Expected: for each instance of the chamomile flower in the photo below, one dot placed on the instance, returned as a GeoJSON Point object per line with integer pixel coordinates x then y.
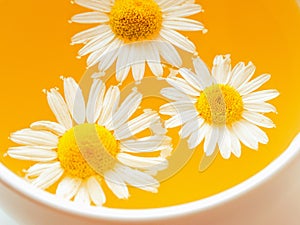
{"type": "Point", "coordinates": [135, 32]}
{"type": "Point", "coordinates": [223, 109]}
{"type": "Point", "coordinates": [92, 145]}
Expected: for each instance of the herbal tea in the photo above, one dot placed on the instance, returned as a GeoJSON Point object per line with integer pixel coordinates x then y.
{"type": "Point", "coordinates": [265, 33]}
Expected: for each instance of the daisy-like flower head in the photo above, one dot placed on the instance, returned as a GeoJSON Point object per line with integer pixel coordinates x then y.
{"type": "Point", "coordinates": [91, 143]}
{"type": "Point", "coordinates": [222, 108]}
{"type": "Point", "coordinates": [133, 32]}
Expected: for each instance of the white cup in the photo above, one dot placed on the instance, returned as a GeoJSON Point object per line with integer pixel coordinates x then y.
{"type": "Point", "coordinates": [271, 197]}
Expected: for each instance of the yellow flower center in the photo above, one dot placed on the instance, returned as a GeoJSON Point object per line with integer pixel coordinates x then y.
{"type": "Point", "coordinates": [86, 150]}
{"type": "Point", "coordinates": [135, 20]}
{"type": "Point", "coordinates": [220, 104]}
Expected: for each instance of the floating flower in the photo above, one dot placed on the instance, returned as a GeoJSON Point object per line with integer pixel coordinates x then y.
{"type": "Point", "coordinates": [223, 109]}
{"type": "Point", "coordinates": [133, 32]}
{"type": "Point", "coordinates": [91, 143]}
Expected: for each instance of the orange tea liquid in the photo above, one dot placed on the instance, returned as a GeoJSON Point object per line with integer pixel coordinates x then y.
{"type": "Point", "coordinates": [35, 51]}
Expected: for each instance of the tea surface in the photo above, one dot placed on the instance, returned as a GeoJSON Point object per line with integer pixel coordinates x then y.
{"type": "Point", "coordinates": [35, 52]}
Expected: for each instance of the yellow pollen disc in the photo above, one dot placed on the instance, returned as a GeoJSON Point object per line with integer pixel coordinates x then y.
{"type": "Point", "coordinates": [86, 150]}
{"type": "Point", "coordinates": [135, 20]}
{"type": "Point", "coordinates": [220, 104]}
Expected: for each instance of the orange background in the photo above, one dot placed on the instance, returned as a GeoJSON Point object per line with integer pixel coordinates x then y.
{"type": "Point", "coordinates": [35, 51]}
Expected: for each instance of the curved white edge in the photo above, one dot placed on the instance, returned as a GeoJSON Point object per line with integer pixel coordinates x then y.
{"type": "Point", "coordinates": [21, 187]}
{"type": "Point", "coordinates": [5, 220]}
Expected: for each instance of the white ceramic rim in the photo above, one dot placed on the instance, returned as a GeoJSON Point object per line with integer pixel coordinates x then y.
{"type": "Point", "coordinates": [21, 187]}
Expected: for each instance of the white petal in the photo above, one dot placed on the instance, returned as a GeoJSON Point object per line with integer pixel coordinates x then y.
{"type": "Point", "coordinates": [197, 136]}
{"type": "Point", "coordinates": [146, 144]}
{"type": "Point", "coordinates": [174, 94]}
{"type": "Point", "coordinates": [138, 55]}
{"type": "Point", "coordinates": [254, 84]}
{"type": "Point", "coordinates": [192, 125]}
{"type": "Point", "coordinates": [98, 43]}
{"type": "Point", "coordinates": [59, 108]}
{"type": "Point", "coordinates": [74, 100]}
{"type": "Point", "coordinates": [236, 70]}
{"type": "Point", "coordinates": [68, 187]}
{"type": "Point", "coordinates": [235, 144]}
{"type": "Point", "coordinates": [95, 101]}
{"type": "Point", "coordinates": [169, 53]}
{"type": "Point", "coordinates": [116, 185]}
{"type": "Point", "coordinates": [98, 75]}
{"type": "Point", "coordinates": [183, 10]}
{"type": "Point", "coordinates": [109, 55]}
{"type": "Point", "coordinates": [224, 142]}
{"type": "Point", "coordinates": [32, 153]}
{"type": "Point", "coordinates": [165, 153]}
{"type": "Point", "coordinates": [221, 69]}
{"type": "Point", "coordinates": [48, 126]}
{"type": "Point", "coordinates": [152, 57]}
{"type": "Point", "coordinates": [95, 58]}
{"type": "Point", "coordinates": [105, 56]}
{"type": "Point", "coordinates": [95, 191]}
{"type": "Point", "coordinates": [258, 119]}
{"type": "Point", "coordinates": [191, 78]}
{"type": "Point", "coordinates": [48, 177]}
{"type": "Point", "coordinates": [157, 128]}
{"type": "Point", "coordinates": [138, 70]}
{"type": "Point", "coordinates": [211, 139]}
{"type": "Point", "coordinates": [123, 63]}
{"type": "Point", "coordinates": [90, 17]}
{"type": "Point", "coordinates": [89, 34]}
{"type": "Point", "coordinates": [243, 76]}
{"type": "Point", "coordinates": [189, 1]}
{"type": "Point", "coordinates": [261, 107]}
{"type": "Point", "coordinates": [137, 124]}
{"type": "Point", "coordinates": [82, 196]}
{"type": "Point", "coordinates": [33, 137]}
{"type": "Point", "coordinates": [202, 72]}
{"type": "Point", "coordinates": [259, 134]}
{"type": "Point", "coordinates": [260, 96]}
{"type": "Point", "coordinates": [165, 4]}
{"type": "Point", "coordinates": [181, 85]}
{"type": "Point", "coordinates": [242, 132]}
{"type": "Point", "coordinates": [178, 40]}
{"type": "Point", "coordinates": [99, 5]}
{"type": "Point", "coordinates": [39, 168]}
{"type": "Point", "coordinates": [145, 163]}
{"type": "Point", "coordinates": [137, 178]}
{"type": "Point", "coordinates": [181, 118]}
{"type": "Point", "coordinates": [126, 110]}
{"type": "Point", "coordinates": [110, 103]}
{"type": "Point", "coordinates": [174, 108]}
{"type": "Point", "coordinates": [183, 24]}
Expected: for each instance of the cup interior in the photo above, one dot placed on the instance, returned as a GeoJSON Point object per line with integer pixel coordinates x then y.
{"type": "Point", "coordinates": [25, 190]}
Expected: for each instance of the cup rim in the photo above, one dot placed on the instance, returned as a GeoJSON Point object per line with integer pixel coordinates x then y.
{"type": "Point", "coordinates": [23, 188]}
